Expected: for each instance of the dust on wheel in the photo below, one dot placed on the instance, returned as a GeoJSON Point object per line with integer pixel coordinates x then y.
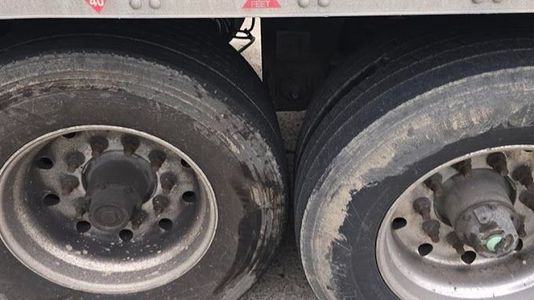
{"type": "Point", "coordinates": [133, 169]}
{"type": "Point", "coordinates": [106, 209]}
{"type": "Point", "coordinates": [420, 187]}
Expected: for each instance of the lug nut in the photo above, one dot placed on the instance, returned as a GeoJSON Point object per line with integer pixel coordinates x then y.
{"type": "Point", "coordinates": [434, 184]}
{"type": "Point", "coordinates": [422, 206]}
{"type": "Point", "coordinates": [519, 223]}
{"type": "Point", "coordinates": [160, 203]}
{"type": "Point", "coordinates": [81, 205]}
{"type": "Point", "coordinates": [68, 184]}
{"type": "Point", "coordinates": [157, 158]}
{"type": "Point", "coordinates": [523, 174]}
{"type": "Point", "coordinates": [527, 198]}
{"type": "Point", "coordinates": [130, 144]}
{"type": "Point", "coordinates": [138, 217]}
{"type": "Point", "coordinates": [464, 167]}
{"type": "Point", "coordinates": [455, 242]}
{"type": "Point", "coordinates": [498, 162]}
{"type": "Point", "coordinates": [98, 145]}
{"type": "Point", "coordinates": [168, 180]}
{"type": "Point", "coordinates": [74, 160]}
{"type": "Point", "coordinates": [431, 228]}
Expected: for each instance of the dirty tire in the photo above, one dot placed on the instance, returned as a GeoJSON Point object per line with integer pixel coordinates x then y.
{"type": "Point", "coordinates": [189, 89]}
{"type": "Point", "coordinates": [427, 105]}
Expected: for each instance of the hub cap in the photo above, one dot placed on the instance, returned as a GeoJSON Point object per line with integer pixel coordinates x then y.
{"type": "Point", "coordinates": [105, 209]}
{"type": "Point", "coordinates": [464, 230]}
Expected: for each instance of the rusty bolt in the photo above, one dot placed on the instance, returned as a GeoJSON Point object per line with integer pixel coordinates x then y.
{"type": "Point", "coordinates": [130, 144]}
{"type": "Point", "coordinates": [422, 206]}
{"type": "Point", "coordinates": [160, 203]}
{"type": "Point", "coordinates": [523, 174]}
{"type": "Point", "coordinates": [168, 180]}
{"type": "Point", "coordinates": [498, 162]}
{"type": "Point", "coordinates": [519, 223]}
{"type": "Point", "coordinates": [81, 205]}
{"type": "Point", "coordinates": [464, 167]}
{"type": "Point", "coordinates": [434, 184]}
{"type": "Point", "coordinates": [157, 158]}
{"type": "Point", "coordinates": [74, 160]}
{"type": "Point", "coordinates": [68, 184]}
{"type": "Point", "coordinates": [431, 228]}
{"type": "Point", "coordinates": [455, 242]}
{"type": "Point", "coordinates": [138, 217]}
{"type": "Point", "coordinates": [98, 145]}
{"type": "Point", "coordinates": [527, 198]}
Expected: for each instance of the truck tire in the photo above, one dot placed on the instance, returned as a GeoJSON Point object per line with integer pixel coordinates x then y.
{"type": "Point", "coordinates": [460, 98]}
{"type": "Point", "coordinates": [134, 166]}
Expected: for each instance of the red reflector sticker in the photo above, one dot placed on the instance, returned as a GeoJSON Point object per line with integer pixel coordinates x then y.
{"type": "Point", "coordinates": [261, 4]}
{"type": "Point", "coordinates": [97, 5]}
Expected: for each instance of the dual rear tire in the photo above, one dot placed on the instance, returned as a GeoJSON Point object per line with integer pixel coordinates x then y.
{"type": "Point", "coordinates": [386, 120]}
{"type": "Point", "coordinates": [187, 94]}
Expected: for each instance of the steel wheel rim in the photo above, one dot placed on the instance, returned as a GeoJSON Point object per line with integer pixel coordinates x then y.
{"type": "Point", "coordinates": [443, 273]}
{"type": "Point", "coordinates": [112, 263]}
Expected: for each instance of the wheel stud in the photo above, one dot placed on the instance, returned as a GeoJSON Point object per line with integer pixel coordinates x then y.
{"type": "Point", "coordinates": [130, 144]}
{"type": "Point", "coordinates": [431, 228]}
{"type": "Point", "coordinates": [157, 158]}
{"type": "Point", "coordinates": [523, 174]}
{"type": "Point", "coordinates": [519, 223]}
{"type": "Point", "coordinates": [168, 180]}
{"type": "Point", "coordinates": [98, 145]}
{"type": "Point", "coordinates": [422, 206]}
{"type": "Point", "coordinates": [160, 203]}
{"type": "Point", "coordinates": [81, 205]}
{"type": "Point", "coordinates": [138, 217]}
{"type": "Point", "coordinates": [527, 198]}
{"type": "Point", "coordinates": [74, 160]}
{"type": "Point", "coordinates": [464, 167]}
{"type": "Point", "coordinates": [434, 184]}
{"type": "Point", "coordinates": [68, 184]}
{"type": "Point", "coordinates": [455, 242]}
{"type": "Point", "coordinates": [498, 162]}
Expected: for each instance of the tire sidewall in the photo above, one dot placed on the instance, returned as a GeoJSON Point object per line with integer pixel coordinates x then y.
{"type": "Point", "coordinates": [345, 210]}
{"type": "Point", "coordinates": [119, 91]}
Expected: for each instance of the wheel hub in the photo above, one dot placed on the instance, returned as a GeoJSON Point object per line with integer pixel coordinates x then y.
{"type": "Point", "coordinates": [117, 184]}
{"type": "Point", "coordinates": [480, 209]}
{"type": "Point", "coordinates": [106, 209]}
{"type": "Point", "coordinates": [460, 230]}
